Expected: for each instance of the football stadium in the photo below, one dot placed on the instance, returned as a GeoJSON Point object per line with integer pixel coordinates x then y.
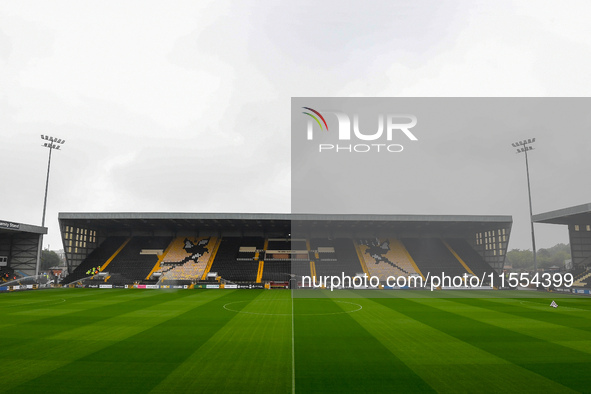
{"type": "Point", "coordinates": [163, 302]}
{"type": "Point", "coordinates": [295, 197]}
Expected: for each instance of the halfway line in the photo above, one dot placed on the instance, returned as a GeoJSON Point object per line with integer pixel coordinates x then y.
{"type": "Point", "coordinates": [292, 349]}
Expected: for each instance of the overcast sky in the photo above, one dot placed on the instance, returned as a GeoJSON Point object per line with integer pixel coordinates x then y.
{"type": "Point", "coordinates": [185, 106]}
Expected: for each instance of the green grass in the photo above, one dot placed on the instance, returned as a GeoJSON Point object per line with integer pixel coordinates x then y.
{"type": "Point", "coordinates": [93, 340]}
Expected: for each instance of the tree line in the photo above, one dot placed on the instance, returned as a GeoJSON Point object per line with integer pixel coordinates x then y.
{"type": "Point", "coordinates": [546, 258]}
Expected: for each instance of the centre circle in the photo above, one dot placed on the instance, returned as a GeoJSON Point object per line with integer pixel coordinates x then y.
{"type": "Point", "coordinates": [230, 306]}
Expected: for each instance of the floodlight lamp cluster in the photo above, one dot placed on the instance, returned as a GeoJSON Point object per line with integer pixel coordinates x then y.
{"type": "Point", "coordinates": [527, 148]}
{"type": "Point", "coordinates": [522, 145]}
{"type": "Point", "coordinates": [52, 143]}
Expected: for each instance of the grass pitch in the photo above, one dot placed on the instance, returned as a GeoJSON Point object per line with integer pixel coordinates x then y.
{"type": "Point", "coordinates": [94, 340]}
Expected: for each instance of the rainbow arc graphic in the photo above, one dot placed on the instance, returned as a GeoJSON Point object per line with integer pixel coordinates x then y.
{"type": "Point", "coordinates": [315, 118]}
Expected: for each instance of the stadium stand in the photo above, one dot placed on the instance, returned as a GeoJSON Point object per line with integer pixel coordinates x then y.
{"type": "Point", "coordinates": [325, 253]}
{"type": "Point", "coordinates": [386, 257]}
{"type": "Point", "coordinates": [279, 244]}
{"type": "Point", "coordinates": [432, 256]}
{"type": "Point", "coordinates": [583, 280]}
{"type": "Point", "coordinates": [279, 271]}
{"type": "Point", "coordinates": [187, 258]}
{"type": "Point", "coordinates": [137, 259]}
{"type": "Point", "coordinates": [469, 256]}
{"type": "Point", "coordinates": [301, 268]}
{"type": "Point", "coordinates": [344, 260]}
{"type": "Point", "coordinates": [250, 248]}
{"type": "Point", "coordinates": [98, 257]}
{"type": "Point", "coordinates": [278, 266]}
{"type": "Point", "coordinates": [226, 262]}
{"type": "Point", "coordinates": [7, 274]}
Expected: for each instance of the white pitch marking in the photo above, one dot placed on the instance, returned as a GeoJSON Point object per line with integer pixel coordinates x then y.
{"type": "Point", "coordinates": [540, 306]}
{"type": "Point", "coordinates": [290, 314]}
{"type": "Point", "coordinates": [292, 349]}
{"type": "Point", "coordinates": [36, 302]}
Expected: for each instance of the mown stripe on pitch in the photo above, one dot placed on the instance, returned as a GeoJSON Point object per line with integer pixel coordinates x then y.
{"type": "Point", "coordinates": [140, 362]}
{"type": "Point", "coordinates": [58, 357]}
{"type": "Point", "coordinates": [250, 353]}
{"type": "Point", "coordinates": [334, 353]}
{"type": "Point", "coordinates": [569, 367]}
{"type": "Point", "coordinates": [573, 324]}
{"type": "Point", "coordinates": [33, 352]}
{"type": "Point", "coordinates": [76, 301]}
{"type": "Point", "coordinates": [581, 304]}
{"type": "Point", "coordinates": [525, 323]}
{"type": "Point", "coordinates": [446, 363]}
{"type": "Point", "coordinates": [31, 335]}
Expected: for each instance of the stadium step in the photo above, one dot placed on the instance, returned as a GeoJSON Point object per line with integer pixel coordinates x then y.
{"type": "Point", "coordinates": [580, 282]}
{"type": "Point", "coordinates": [400, 244]}
{"type": "Point", "coordinates": [361, 259]}
{"type": "Point", "coordinates": [211, 258]}
{"type": "Point", "coordinates": [313, 269]}
{"type": "Point", "coordinates": [468, 270]}
{"type": "Point", "coordinates": [385, 258]}
{"type": "Point", "coordinates": [115, 254]}
{"type": "Point", "coordinates": [260, 272]}
{"type": "Point", "coordinates": [160, 259]}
